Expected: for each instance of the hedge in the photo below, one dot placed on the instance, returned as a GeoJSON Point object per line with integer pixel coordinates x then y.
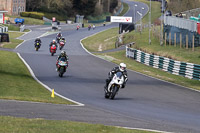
{"type": "Point", "coordinates": [36, 15]}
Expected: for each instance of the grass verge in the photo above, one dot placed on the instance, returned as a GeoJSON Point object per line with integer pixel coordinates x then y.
{"type": "Point", "coordinates": [22, 125]}
{"type": "Point", "coordinates": [103, 41]}
{"type": "Point", "coordinates": [13, 41]}
{"type": "Point", "coordinates": [17, 83]}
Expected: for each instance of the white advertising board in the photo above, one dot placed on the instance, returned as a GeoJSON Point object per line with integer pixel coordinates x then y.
{"type": "Point", "coordinates": [121, 19]}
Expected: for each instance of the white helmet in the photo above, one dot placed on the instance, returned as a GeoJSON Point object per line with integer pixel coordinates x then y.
{"type": "Point", "coordinates": [122, 67]}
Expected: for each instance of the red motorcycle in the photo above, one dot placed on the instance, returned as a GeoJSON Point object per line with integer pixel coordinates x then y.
{"type": "Point", "coordinates": [61, 44]}
{"type": "Point", "coordinates": [53, 49]}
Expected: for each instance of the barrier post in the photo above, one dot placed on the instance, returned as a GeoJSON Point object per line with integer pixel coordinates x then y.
{"type": "Point", "coordinates": [180, 40]}
{"type": "Point", "coordinates": [174, 39]}
{"type": "Point", "coordinates": [170, 39]}
{"type": "Point", "coordinates": [193, 43]}
{"type": "Point", "coordinates": [165, 39]}
{"type": "Point", "coordinates": [186, 41]}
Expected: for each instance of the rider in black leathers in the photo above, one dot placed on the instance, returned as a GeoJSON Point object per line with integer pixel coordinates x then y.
{"type": "Point", "coordinates": [120, 68]}
{"type": "Point", "coordinates": [58, 37]}
{"type": "Point", "coordinates": [38, 40]}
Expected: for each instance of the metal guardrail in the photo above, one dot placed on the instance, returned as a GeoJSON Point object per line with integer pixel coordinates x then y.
{"type": "Point", "coordinates": [189, 70]}
{"type": "Point", "coordinates": [181, 23]}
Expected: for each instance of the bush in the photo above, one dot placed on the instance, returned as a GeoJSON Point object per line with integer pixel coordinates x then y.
{"type": "Point", "coordinates": [58, 16]}
{"type": "Point", "coordinates": [36, 15]}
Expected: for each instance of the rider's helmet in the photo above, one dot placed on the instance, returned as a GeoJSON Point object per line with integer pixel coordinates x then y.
{"type": "Point", "coordinates": [54, 41]}
{"type": "Point", "coordinates": [63, 53]}
{"type": "Point", "coordinates": [59, 34]}
{"type": "Point", "coordinates": [122, 67]}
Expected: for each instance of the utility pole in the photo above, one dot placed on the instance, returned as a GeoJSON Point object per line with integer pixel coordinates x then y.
{"type": "Point", "coordinates": [161, 22]}
{"type": "Point", "coordinates": [135, 5]}
{"type": "Point", "coordinates": [150, 23]}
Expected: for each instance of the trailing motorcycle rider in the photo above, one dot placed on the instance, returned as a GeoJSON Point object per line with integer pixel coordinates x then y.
{"type": "Point", "coordinates": [53, 43]}
{"type": "Point", "coordinates": [120, 68]}
{"type": "Point", "coordinates": [62, 54]}
{"type": "Point", "coordinates": [63, 39]}
{"type": "Point", "coordinates": [58, 37]}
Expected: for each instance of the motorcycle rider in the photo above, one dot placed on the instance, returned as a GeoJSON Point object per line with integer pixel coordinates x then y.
{"type": "Point", "coordinates": [89, 27]}
{"type": "Point", "coordinates": [77, 27]}
{"type": "Point", "coordinates": [62, 54]}
{"type": "Point", "coordinates": [93, 26]}
{"type": "Point", "coordinates": [53, 43]}
{"type": "Point", "coordinates": [63, 39]}
{"type": "Point", "coordinates": [37, 40]}
{"type": "Point", "coordinates": [58, 37]}
{"type": "Point", "coordinates": [120, 68]}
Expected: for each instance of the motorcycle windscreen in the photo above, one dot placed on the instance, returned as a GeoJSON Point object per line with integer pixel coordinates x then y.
{"type": "Point", "coordinates": [119, 74]}
{"type": "Point", "coordinates": [62, 59]}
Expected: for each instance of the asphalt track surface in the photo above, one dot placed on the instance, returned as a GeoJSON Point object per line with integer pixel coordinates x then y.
{"type": "Point", "coordinates": [146, 102]}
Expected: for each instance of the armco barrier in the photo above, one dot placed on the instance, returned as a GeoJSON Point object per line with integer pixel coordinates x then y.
{"type": "Point", "coordinates": [189, 70]}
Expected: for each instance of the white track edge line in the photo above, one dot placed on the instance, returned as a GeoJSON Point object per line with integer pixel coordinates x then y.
{"type": "Point", "coordinates": [48, 88]}
{"type": "Point", "coordinates": [143, 129]}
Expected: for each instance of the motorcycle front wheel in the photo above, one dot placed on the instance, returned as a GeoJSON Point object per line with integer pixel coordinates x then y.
{"type": "Point", "coordinates": [114, 92]}
{"type": "Point", "coordinates": [61, 71]}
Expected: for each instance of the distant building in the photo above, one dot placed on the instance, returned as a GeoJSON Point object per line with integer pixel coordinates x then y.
{"type": "Point", "coordinates": [14, 7]}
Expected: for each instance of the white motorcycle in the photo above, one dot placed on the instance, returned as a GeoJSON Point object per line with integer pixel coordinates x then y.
{"type": "Point", "coordinates": [114, 85]}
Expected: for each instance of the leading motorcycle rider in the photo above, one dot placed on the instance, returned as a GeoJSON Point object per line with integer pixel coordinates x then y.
{"type": "Point", "coordinates": [62, 54]}
{"type": "Point", "coordinates": [120, 68]}
{"type": "Point", "coordinates": [38, 40]}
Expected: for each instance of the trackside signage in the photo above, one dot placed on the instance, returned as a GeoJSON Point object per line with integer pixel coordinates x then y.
{"type": "Point", "coordinates": [121, 19]}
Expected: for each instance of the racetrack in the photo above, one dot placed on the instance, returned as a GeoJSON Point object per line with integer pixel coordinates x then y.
{"type": "Point", "coordinates": [145, 102]}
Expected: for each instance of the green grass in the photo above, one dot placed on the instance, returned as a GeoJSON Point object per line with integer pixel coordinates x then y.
{"type": "Point", "coordinates": [125, 9]}
{"type": "Point", "coordinates": [103, 41]}
{"type": "Point", "coordinates": [12, 27]}
{"type": "Point", "coordinates": [13, 41]}
{"type": "Point", "coordinates": [17, 83]}
{"type": "Point", "coordinates": [32, 21]}
{"type": "Point", "coordinates": [22, 125]}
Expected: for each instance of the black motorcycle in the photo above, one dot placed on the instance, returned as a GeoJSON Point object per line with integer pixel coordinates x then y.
{"type": "Point", "coordinates": [37, 45]}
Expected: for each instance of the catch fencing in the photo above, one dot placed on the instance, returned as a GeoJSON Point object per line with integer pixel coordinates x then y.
{"type": "Point", "coordinates": [189, 70]}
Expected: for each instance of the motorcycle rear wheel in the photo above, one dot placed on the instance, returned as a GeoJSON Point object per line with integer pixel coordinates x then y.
{"type": "Point", "coordinates": [36, 49]}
